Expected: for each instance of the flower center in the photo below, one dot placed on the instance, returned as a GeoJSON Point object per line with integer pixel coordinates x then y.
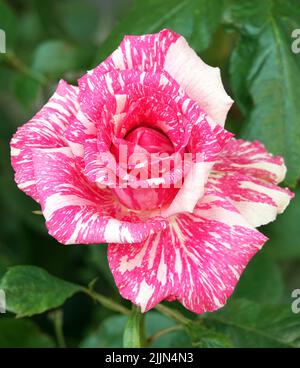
{"type": "Point", "coordinates": [153, 140]}
{"type": "Point", "coordinates": [144, 145]}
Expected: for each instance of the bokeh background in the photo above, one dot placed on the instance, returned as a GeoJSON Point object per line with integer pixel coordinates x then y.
{"type": "Point", "coordinates": [251, 42]}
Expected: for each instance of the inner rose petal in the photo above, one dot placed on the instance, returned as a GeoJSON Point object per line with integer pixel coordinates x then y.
{"type": "Point", "coordinates": [147, 111]}
{"type": "Point", "coordinates": [143, 148]}
{"type": "Point", "coordinates": [150, 139]}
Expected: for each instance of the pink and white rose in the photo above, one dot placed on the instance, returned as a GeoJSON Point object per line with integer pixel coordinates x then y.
{"type": "Point", "coordinates": [183, 231]}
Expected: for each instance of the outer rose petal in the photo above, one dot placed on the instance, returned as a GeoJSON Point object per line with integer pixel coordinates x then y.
{"type": "Point", "coordinates": [198, 259]}
{"type": "Point", "coordinates": [252, 159]}
{"type": "Point", "coordinates": [169, 51]}
{"type": "Point", "coordinates": [78, 131]}
{"type": "Point", "coordinates": [258, 201]}
{"type": "Point", "coordinates": [208, 143]}
{"type": "Point", "coordinates": [44, 130]}
{"type": "Point", "coordinates": [121, 100]}
{"type": "Point", "coordinates": [78, 212]}
{"type": "Point", "coordinates": [191, 191]}
{"type": "Point", "coordinates": [201, 82]}
{"type": "Point", "coordinates": [247, 174]}
{"type": "Point", "coordinates": [145, 52]}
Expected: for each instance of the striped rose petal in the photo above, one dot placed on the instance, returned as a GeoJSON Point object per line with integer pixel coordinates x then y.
{"type": "Point", "coordinates": [252, 159]}
{"type": "Point", "coordinates": [77, 212]}
{"type": "Point", "coordinates": [197, 260]}
{"type": "Point", "coordinates": [206, 144]}
{"type": "Point", "coordinates": [147, 52]}
{"type": "Point", "coordinates": [45, 130]}
{"type": "Point", "coordinates": [169, 51]}
{"type": "Point", "coordinates": [201, 82]}
{"type": "Point", "coordinates": [158, 101]}
{"type": "Point", "coordinates": [120, 100]}
{"type": "Point", "coordinates": [78, 131]}
{"type": "Point", "coordinates": [247, 174]}
{"type": "Point", "coordinates": [259, 202]}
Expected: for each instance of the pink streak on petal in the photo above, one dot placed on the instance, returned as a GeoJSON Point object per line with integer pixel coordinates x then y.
{"type": "Point", "coordinates": [77, 212]}
{"type": "Point", "coordinates": [258, 201]}
{"type": "Point", "coordinates": [152, 140]}
{"type": "Point", "coordinates": [45, 130]}
{"type": "Point", "coordinates": [156, 100]}
{"type": "Point", "coordinates": [252, 159]}
{"type": "Point", "coordinates": [152, 99]}
{"type": "Point", "coordinates": [197, 260]}
{"type": "Point", "coordinates": [145, 52]}
{"type": "Point", "coordinates": [247, 175]}
{"type": "Point", "coordinates": [169, 51]}
{"type": "Point", "coordinates": [200, 81]}
{"type": "Point", "coordinates": [78, 131]}
{"type": "Point", "coordinates": [206, 144]}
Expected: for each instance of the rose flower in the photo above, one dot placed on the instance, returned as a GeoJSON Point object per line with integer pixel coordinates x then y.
{"type": "Point", "coordinates": [136, 156]}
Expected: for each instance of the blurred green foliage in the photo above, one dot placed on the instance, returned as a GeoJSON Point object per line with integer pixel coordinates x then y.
{"type": "Point", "coordinates": [53, 39]}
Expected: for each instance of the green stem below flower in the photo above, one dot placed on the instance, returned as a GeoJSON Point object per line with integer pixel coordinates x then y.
{"type": "Point", "coordinates": [174, 314]}
{"type": "Point", "coordinates": [163, 332]}
{"type": "Point", "coordinates": [134, 333]}
{"type": "Point", "coordinates": [107, 302]}
{"type": "Point", "coordinates": [57, 317]}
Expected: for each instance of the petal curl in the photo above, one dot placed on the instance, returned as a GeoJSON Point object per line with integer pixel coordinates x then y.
{"type": "Point", "coordinates": [197, 260]}
{"type": "Point", "coordinates": [248, 175]}
{"type": "Point", "coordinates": [201, 82]}
{"type": "Point", "coordinates": [169, 51]}
{"type": "Point", "coordinates": [252, 159]}
{"type": "Point", "coordinates": [45, 130]}
{"type": "Point", "coordinates": [78, 212]}
{"type": "Point", "coordinates": [206, 144]}
{"type": "Point", "coordinates": [144, 53]}
{"type": "Point", "coordinates": [259, 202]}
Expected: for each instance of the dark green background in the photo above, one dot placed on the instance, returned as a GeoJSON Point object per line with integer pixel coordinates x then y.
{"type": "Point", "coordinates": [251, 42]}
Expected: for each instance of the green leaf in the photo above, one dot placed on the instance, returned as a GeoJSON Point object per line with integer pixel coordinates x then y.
{"type": "Point", "coordinates": [31, 290]}
{"type": "Point", "coordinates": [250, 324]}
{"type": "Point", "coordinates": [207, 16]}
{"type": "Point", "coordinates": [13, 202]}
{"type": "Point", "coordinates": [4, 262]}
{"type": "Point", "coordinates": [98, 255]}
{"type": "Point", "coordinates": [79, 19]}
{"type": "Point", "coordinates": [176, 339]}
{"type": "Point", "coordinates": [49, 17]}
{"type": "Point", "coordinates": [242, 59]}
{"type": "Point", "coordinates": [56, 57]}
{"type": "Point", "coordinates": [205, 338]}
{"type": "Point", "coordinates": [26, 89]}
{"type": "Point", "coordinates": [261, 281]}
{"type": "Point", "coordinates": [22, 334]}
{"type": "Point", "coordinates": [264, 69]}
{"type": "Point", "coordinates": [194, 19]}
{"type": "Point", "coordinates": [30, 30]}
{"type": "Point", "coordinates": [110, 333]}
{"type": "Point", "coordinates": [134, 329]}
{"type": "Point", "coordinates": [284, 232]}
{"type": "Point", "coordinates": [8, 23]}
